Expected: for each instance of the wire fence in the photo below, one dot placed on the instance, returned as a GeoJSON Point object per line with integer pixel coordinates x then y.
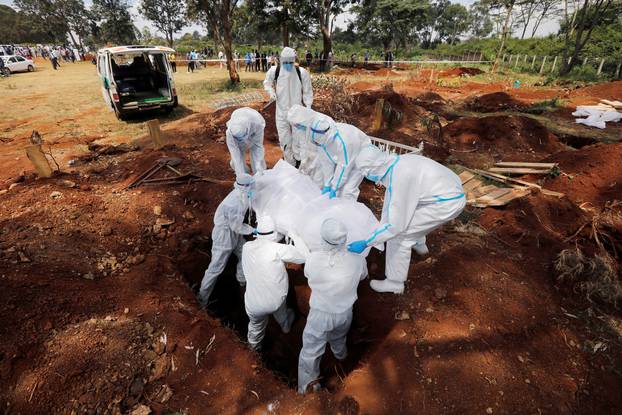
{"type": "Point", "coordinates": [550, 65]}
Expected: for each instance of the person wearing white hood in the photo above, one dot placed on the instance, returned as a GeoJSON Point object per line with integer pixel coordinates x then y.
{"type": "Point", "coordinates": [300, 119]}
{"type": "Point", "coordinates": [338, 145]}
{"type": "Point", "coordinates": [263, 262]}
{"type": "Point", "coordinates": [333, 274]}
{"type": "Point", "coordinates": [420, 196]}
{"type": "Point", "coordinates": [228, 234]}
{"type": "Point", "coordinates": [288, 84]}
{"type": "Point", "coordinates": [245, 133]}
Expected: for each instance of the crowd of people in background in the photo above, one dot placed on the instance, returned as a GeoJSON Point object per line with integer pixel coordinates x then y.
{"type": "Point", "coordinates": [55, 53]}
{"type": "Point", "coordinates": [258, 61]}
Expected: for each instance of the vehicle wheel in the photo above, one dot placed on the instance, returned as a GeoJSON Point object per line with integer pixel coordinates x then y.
{"type": "Point", "coordinates": [31, 68]}
{"type": "Point", "coordinates": [168, 110]}
{"type": "Point", "coordinates": [120, 115]}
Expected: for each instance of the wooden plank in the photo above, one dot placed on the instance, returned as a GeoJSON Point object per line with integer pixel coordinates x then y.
{"type": "Point", "coordinates": [508, 197]}
{"type": "Point", "coordinates": [518, 170]}
{"type": "Point", "coordinates": [525, 164]}
{"type": "Point", "coordinates": [505, 179]}
{"type": "Point", "coordinates": [155, 133]}
{"type": "Point", "coordinates": [493, 195]}
{"type": "Point", "coordinates": [473, 184]}
{"type": "Point", "coordinates": [37, 158]}
{"type": "Point", "coordinates": [465, 176]}
{"type": "Point", "coordinates": [615, 104]}
{"type": "Point", "coordinates": [482, 190]}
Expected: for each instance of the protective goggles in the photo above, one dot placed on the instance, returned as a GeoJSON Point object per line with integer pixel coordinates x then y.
{"type": "Point", "coordinates": [318, 133]}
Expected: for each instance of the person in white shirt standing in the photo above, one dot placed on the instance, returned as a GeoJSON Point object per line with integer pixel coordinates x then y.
{"type": "Point", "coordinates": [333, 274]}
{"type": "Point", "coordinates": [263, 262]}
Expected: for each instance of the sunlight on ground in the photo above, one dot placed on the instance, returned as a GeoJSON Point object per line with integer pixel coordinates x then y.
{"type": "Point", "coordinates": [68, 102]}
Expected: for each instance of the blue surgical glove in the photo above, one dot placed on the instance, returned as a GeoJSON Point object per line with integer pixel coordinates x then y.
{"type": "Point", "coordinates": [254, 232]}
{"type": "Point", "coordinates": [325, 189]}
{"type": "Point", "coordinates": [333, 194]}
{"type": "Point", "coordinates": [357, 246]}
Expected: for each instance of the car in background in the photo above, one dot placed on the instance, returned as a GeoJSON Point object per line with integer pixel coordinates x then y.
{"type": "Point", "coordinates": [16, 63]}
{"type": "Point", "coordinates": [136, 79]}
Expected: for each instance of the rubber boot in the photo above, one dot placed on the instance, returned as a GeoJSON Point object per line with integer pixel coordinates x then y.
{"type": "Point", "coordinates": [387, 286]}
{"type": "Point", "coordinates": [291, 316]}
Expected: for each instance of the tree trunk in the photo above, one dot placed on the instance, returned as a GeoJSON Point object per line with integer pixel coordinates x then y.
{"type": "Point", "coordinates": [169, 38]}
{"type": "Point", "coordinates": [227, 41]}
{"type": "Point", "coordinates": [73, 40]}
{"type": "Point", "coordinates": [285, 26]}
{"type": "Point", "coordinates": [285, 33]}
{"type": "Point", "coordinates": [504, 36]}
{"type": "Point", "coordinates": [327, 41]}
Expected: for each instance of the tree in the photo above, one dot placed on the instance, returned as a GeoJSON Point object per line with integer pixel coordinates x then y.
{"type": "Point", "coordinates": [58, 17]}
{"type": "Point", "coordinates": [218, 16]}
{"type": "Point", "coordinates": [453, 22]}
{"type": "Point", "coordinates": [168, 16]}
{"type": "Point", "coordinates": [17, 27]}
{"type": "Point", "coordinates": [388, 21]}
{"type": "Point", "coordinates": [508, 5]}
{"type": "Point", "coordinates": [481, 23]}
{"type": "Point", "coordinates": [116, 24]}
{"type": "Point", "coordinates": [430, 22]}
{"type": "Point", "coordinates": [326, 12]}
{"type": "Point", "coordinates": [579, 30]}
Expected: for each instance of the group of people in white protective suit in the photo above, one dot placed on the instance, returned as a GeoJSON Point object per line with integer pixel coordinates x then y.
{"type": "Point", "coordinates": [420, 196]}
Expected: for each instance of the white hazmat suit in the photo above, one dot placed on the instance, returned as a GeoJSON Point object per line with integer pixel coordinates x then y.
{"type": "Point", "coordinates": [244, 133]}
{"type": "Point", "coordinates": [333, 274]}
{"type": "Point", "coordinates": [338, 146]}
{"type": "Point", "coordinates": [263, 262]}
{"type": "Point", "coordinates": [420, 196]}
{"type": "Point", "coordinates": [228, 234]}
{"type": "Point", "coordinates": [290, 89]}
{"type": "Point", "coordinates": [300, 119]}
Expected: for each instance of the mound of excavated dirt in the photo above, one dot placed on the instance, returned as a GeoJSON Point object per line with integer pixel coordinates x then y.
{"type": "Point", "coordinates": [462, 71]}
{"type": "Point", "coordinates": [607, 90]}
{"type": "Point", "coordinates": [479, 142]}
{"type": "Point", "coordinates": [591, 174]}
{"type": "Point", "coordinates": [497, 101]}
{"type": "Point", "coordinates": [364, 86]}
{"type": "Point", "coordinates": [386, 72]}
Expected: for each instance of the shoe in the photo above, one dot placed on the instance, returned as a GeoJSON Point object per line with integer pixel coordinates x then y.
{"type": "Point", "coordinates": [387, 286]}
{"type": "Point", "coordinates": [421, 248]}
{"type": "Point", "coordinates": [291, 316]}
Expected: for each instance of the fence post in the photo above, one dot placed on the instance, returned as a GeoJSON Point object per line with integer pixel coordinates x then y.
{"type": "Point", "coordinates": [533, 62]}
{"type": "Point", "coordinates": [554, 63]}
{"type": "Point", "coordinates": [525, 60]}
{"type": "Point", "coordinates": [617, 74]}
{"type": "Point", "coordinates": [600, 67]}
{"type": "Point", "coordinates": [481, 55]}
{"type": "Point", "coordinates": [543, 63]}
{"type": "Point", "coordinates": [503, 59]}
{"type": "Point", "coordinates": [516, 63]}
{"type": "Point", "coordinates": [584, 61]}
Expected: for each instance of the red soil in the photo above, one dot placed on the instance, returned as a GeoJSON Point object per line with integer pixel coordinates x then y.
{"type": "Point", "coordinates": [483, 326]}
{"type": "Point", "coordinates": [497, 101]}
{"type": "Point", "coordinates": [591, 174]}
{"type": "Point", "coordinates": [479, 142]}
{"type": "Point", "coordinates": [461, 72]}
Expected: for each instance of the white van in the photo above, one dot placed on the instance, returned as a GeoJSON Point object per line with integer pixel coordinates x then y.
{"type": "Point", "coordinates": [136, 78]}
